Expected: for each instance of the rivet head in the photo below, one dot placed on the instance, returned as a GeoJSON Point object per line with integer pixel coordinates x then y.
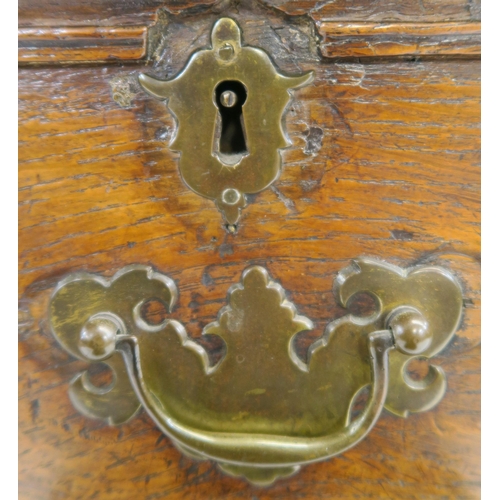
{"type": "Point", "coordinates": [98, 338]}
{"type": "Point", "coordinates": [411, 331]}
{"type": "Point", "coordinates": [226, 52]}
{"type": "Point", "coordinates": [231, 196]}
{"type": "Point", "coordinates": [228, 98]}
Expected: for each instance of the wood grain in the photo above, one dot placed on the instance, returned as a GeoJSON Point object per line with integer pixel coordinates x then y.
{"type": "Point", "coordinates": [83, 44]}
{"type": "Point", "coordinates": [95, 44]}
{"type": "Point", "coordinates": [382, 10]}
{"type": "Point", "coordinates": [102, 12]}
{"type": "Point", "coordinates": [399, 39]}
{"type": "Point", "coordinates": [51, 32]}
{"type": "Point", "coordinates": [110, 36]}
{"type": "Point", "coordinates": [136, 12]}
{"type": "Point", "coordinates": [384, 162]}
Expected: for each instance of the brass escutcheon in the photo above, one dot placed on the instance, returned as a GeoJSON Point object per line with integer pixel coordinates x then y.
{"type": "Point", "coordinates": [228, 103]}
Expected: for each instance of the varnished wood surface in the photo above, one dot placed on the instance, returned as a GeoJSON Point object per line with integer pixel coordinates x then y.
{"type": "Point", "coordinates": [106, 12]}
{"type": "Point", "coordinates": [102, 12]}
{"type": "Point", "coordinates": [111, 34]}
{"type": "Point", "coordinates": [382, 10]}
{"type": "Point", "coordinates": [95, 44]}
{"type": "Point", "coordinates": [384, 162]}
{"type": "Point", "coordinates": [82, 44]}
{"type": "Point", "coordinates": [395, 175]}
{"type": "Point", "coordinates": [399, 39]}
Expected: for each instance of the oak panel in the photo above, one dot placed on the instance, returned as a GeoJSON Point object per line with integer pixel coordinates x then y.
{"type": "Point", "coordinates": [384, 162]}
{"type": "Point", "coordinates": [382, 10]}
{"type": "Point", "coordinates": [399, 39]}
{"type": "Point", "coordinates": [109, 12]}
{"type": "Point", "coordinates": [81, 44]}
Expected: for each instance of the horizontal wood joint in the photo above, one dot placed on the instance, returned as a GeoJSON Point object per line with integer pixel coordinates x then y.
{"type": "Point", "coordinates": [344, 39]}
{"type": "Point", "coordinates": [95, 44]}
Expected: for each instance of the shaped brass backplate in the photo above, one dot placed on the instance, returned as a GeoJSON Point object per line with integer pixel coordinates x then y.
{"type": "Point", "coordinates": [228, 102]}
{"type": "Point", "coordinates": [261, 411]}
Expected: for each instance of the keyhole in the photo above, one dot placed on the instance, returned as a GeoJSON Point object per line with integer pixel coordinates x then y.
{"type": "Point", "coordinates": [230, 97]}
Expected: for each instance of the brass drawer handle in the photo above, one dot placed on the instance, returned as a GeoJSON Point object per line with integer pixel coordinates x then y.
{"type": "Point", "coordinates": [228, 102]}
{"type": "Point", "coordinates": [261, 411]}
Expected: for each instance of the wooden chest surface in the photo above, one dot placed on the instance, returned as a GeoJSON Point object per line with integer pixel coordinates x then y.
{"type": "Point", "coordinates": [384, 162]}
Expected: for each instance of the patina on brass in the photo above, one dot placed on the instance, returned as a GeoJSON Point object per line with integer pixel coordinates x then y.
{"type": "Point", "coordinates": [261, 412]}
{"type": "Point", "coordinates": [210, 170]}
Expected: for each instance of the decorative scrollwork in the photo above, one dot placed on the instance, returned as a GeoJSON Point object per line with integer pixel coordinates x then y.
{"type": "Point", "coordinates": [261, 411]}
{"type": "Point", "coordinates": [228, 102]}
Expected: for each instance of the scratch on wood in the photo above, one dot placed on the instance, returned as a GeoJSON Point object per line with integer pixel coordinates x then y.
{"type": "Point", "coordinates": [289, 204]}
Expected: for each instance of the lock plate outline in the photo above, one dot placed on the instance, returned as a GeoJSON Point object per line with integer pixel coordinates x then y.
{"type": "Point", "coordinates": [190, 97]}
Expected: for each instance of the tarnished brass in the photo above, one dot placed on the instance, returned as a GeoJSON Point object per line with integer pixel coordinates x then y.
{"type": "Point", "coordinates": [261, 411]}
{"type": "Point", "coordinates": [229, 102]}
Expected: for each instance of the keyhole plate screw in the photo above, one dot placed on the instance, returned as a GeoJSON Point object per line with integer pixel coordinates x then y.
{"type": "Point", "coordinates": [228, 98]}
{"type": "Point", "coordinates": [226, 52]}
{"type": "Point", "coordinates": [231, 196]}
